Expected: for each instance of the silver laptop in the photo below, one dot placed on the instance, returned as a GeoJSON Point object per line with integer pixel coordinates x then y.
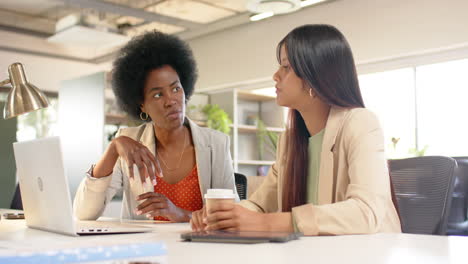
{"type": "Point", "coordinates": [46, 196]}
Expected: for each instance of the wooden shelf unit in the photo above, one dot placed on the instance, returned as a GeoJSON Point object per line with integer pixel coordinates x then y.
{"type": "Point", "coordinates": [242, 105]}
{"type": "Point", "coordinates": [254, 129]}
{"type": "Point", "coordinates": [246, 95]}
{"type": "Point", "coordinates": [115, 119]}
{"type": "Point", "coordinates": [256, 162]}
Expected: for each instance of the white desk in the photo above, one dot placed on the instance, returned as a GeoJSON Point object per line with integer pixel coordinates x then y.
{"type": "Point", "coordinates": [379, 248]}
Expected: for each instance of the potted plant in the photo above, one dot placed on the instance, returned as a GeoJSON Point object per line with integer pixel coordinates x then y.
{"type": "Point", "coordinates": [217, 118]}
{"type": "Point", "coordinates": [265, 136]}
{"type": "Point", "coordinates": [195, 113]}
{"type": "Point", "coordinates": [418, 152]}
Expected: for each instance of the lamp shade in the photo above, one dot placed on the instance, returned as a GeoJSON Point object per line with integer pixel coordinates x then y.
{"type": "Point", "coordinates": [24, 97]}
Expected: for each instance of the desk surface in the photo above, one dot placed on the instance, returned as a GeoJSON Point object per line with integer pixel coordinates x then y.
{"type": "Point", "coordinates": [378, 248]}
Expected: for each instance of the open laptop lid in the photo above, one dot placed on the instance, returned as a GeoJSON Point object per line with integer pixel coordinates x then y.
{"type": "Point", "coordinates": [44, 186]}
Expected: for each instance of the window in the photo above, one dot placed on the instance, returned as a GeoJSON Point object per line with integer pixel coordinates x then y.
{"type": "Point", "coordinates": [38, 124]}
{"type": "Point", "coordinates": [421, 108]}
{"type": "Point", "coordinates": [390, 95]}
{"type": "Point", "coordinates": [442, 93]}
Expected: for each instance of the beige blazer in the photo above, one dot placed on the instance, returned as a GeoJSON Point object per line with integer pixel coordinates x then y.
{"type": "Point", "coordinates": [354, 185]}
{"type": "Point", "coordinates": [213, 160]}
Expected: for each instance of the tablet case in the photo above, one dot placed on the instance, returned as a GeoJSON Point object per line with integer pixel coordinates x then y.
{"type": "Point", "coordinates": [246, 237]}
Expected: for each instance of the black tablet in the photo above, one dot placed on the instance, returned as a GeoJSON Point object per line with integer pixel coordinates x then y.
{"type": "Point", "coordinates": [246, 237]}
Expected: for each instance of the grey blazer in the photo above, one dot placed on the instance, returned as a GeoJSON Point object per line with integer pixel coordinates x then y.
{"type": "Point", "coordinates": [213, 158]}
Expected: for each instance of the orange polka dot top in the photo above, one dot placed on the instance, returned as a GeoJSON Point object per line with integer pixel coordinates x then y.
{"type": "Point", "coordinates": [184, 194]}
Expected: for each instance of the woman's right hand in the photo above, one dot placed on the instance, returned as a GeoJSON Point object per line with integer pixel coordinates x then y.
{"type": "Point", "coordinates": [133, 152]}
{"type": "Point", "coordinates": [196, 223]}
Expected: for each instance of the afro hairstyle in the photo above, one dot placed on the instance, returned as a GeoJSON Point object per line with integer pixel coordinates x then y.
{"type": "Point", "coordinates": [143, 54]}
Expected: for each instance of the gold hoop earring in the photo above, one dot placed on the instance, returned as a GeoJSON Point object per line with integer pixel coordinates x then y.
{"type": "Point", "coordinates": [143, 117]}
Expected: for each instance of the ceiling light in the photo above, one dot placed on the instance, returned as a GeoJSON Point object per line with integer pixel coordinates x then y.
{"type": "Point", "coordinates": [261, 16]}
{"type": "Point", "coordinates": [310, 2]}
{"type": "Point", "coordinates": [79, 31]}
{"type": "Point", "coordinates": [274, 6]}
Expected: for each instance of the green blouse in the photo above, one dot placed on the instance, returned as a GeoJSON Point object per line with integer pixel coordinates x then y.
{"type": "Point", "coordinates": [314, 150]}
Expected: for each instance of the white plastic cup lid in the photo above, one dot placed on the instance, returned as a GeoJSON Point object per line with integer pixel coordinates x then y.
{"type": "Point", "coordinates": [220, 194]}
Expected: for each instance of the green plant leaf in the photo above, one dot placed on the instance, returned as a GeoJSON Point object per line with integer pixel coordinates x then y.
{"type": "Point", "coordinates": [217, 118]}
{"type": "Point", "coordinates": [263, 135]}
{"type": "Point", "coordinates": [418, 152]}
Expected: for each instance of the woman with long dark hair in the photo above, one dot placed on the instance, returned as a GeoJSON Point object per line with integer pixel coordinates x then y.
{"type": "Point", "coordinates": [330, 176]}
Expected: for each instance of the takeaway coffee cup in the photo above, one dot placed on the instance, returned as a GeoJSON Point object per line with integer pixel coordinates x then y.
{"type": "Point", "coordinates": [214, 196]}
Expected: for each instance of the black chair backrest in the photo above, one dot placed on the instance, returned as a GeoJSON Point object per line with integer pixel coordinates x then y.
{"type": "Point", "coordinates": [457, 220]}
{"type": "Point", "coordinates": [16, 202]}
{"type": "Point", "coordinates": [423, 188]}
{"type": "Point", "coordinates": [241, 185]}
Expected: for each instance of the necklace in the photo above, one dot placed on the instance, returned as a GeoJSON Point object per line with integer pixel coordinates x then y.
{"type": "Point", "coordinates": [180, 158]}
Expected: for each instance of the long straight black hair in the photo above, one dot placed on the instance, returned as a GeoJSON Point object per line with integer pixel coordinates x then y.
{"type": "Point", "coordinates": [320, 56]}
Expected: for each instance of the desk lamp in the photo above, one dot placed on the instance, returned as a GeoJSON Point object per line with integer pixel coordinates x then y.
{"type": "Point", "coordinates": [23, 97]}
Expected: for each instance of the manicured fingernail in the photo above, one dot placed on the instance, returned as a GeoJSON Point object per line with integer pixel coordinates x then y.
{"type": "Point", "coordinates": [154, 182]}
{"type": "Point", "coordinates": [148, 216]}
{"type": "Point", "coordinates": [139, 212]}
{"type": "Point", "coordinates": [144, 184]}
{"type": "Point", "coordinates": [204, 220]}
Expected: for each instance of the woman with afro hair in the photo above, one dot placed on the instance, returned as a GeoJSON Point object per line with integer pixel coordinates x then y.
{"type": "Point", "coordinates": [165, 165]}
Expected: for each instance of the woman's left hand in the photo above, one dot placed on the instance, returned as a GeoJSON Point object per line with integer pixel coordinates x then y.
{"type": "Point", "coordinates": [229, 216]}
{"type": "Point", "coordinates": [157, 204]}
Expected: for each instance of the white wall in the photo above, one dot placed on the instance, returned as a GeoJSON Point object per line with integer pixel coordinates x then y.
{"type": "Point", "coordinates": [47, 73]}
{"type": "Point", "coordinates": [376, 29]}
{"type": "Point", "coordinates": [81, 124]}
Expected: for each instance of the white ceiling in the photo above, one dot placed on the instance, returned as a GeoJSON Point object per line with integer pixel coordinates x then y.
{"type": "Point", "coordinates": [188, 18]}
{"type": "Point", "coordinates": [35, 21]}
{"type": "Point", "coordinates": [180, 11]}
{"type": "Point", "coordinates": [33, 7]}
{"type": "Point", "coordinates": [191, 10]}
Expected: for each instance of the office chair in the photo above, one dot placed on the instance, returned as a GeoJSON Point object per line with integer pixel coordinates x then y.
{"type": "Point", "coordinates": [241, 185]}
{"type": "Point", "coordinates": [16, 202]}
{"type": "Point", "coordinates": [457, 220]}
{"type": "Point", "coordinates": [423, 188]}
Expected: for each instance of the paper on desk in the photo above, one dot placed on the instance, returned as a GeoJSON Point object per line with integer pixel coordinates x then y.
{"type": "Point", "coordinates": [59, 242]}
{"type": "Point", "coordinates": [17, 252]}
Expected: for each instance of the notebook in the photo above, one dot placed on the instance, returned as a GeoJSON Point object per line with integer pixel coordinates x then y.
{"type": "Point", "coordinates": [46, 196]}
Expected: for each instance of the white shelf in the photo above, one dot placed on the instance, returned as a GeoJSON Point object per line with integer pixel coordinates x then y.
{"type": "Point", "coordinates": [200, 123]}
{"type": "Point", "coordinates": [246, 95]}
{"type": "Point", "coordinates": [242, 104]}
{"type": "Point", "coordinates": [254, 129]}
{"type": "Point", "coordinates": [115, 119]}
{"type": "Point", "coordinates": [204, 124]}
{"type": "Point", "coordinates": [255, 162]}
